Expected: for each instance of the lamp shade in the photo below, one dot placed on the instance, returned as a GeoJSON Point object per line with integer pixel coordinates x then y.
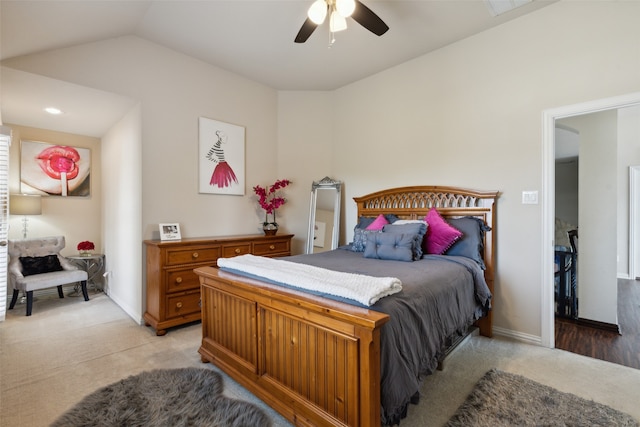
{"type": "Point", "coordinates": [337, 22]}
{"type": "Point", "coordinates": [25, 204]}
{"type": "Point", "coordinates": [318, 11]}
{"type": "Point", "coordinates": [345, 7]}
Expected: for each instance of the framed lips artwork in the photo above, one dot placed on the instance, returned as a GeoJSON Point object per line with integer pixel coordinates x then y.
{"type": "Point", "coordinates": [55, 169]}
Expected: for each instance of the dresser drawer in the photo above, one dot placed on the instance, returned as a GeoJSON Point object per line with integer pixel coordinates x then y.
{"type": "Point", "coordinates": [183, 304]}
{"type": "Point", "coordinates": [182, 280]}
{"type": "Point", "coordinates": [235, 250]}
{"type": "Point", "coordinates": [274, 247]}
{"type": "Point", "coordinates": [201, 254]}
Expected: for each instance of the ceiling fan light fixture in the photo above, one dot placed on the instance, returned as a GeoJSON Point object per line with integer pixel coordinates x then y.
{"type": "Point", "coordinates": [338, 10]}
{"type": "Point", "coordinates": [318, 11]}
{"type": "Point", "coordinates": [345, 7]}
{"type": "Point", "coordinates": [337, 22]}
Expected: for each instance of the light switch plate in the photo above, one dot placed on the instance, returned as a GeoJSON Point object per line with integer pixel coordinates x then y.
{"type": "Point", "coordinates": [529, 197]}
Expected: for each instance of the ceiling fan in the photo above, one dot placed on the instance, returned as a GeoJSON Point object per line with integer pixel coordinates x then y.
{"type": "Point", "coordinates": [338, 10]}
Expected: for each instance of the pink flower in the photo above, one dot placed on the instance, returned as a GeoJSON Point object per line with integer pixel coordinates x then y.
{"type": "Point", "coordinates": [268, 199]}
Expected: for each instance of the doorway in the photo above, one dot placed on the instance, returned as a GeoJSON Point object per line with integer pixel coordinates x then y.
{"type": "Point", "coordinates": [548, 205]}
{"type": "Point", "coordinates": [567, 189]}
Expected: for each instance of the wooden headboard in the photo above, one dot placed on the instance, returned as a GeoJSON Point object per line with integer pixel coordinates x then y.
{"type": "Point", "coordinates": [451, 202]}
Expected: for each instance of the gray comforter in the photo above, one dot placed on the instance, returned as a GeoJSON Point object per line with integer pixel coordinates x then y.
{"type": "Point", "coordinates": [441, 296]}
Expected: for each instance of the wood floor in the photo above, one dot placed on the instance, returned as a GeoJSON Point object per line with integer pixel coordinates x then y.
{"type": "Point", "coordinates": [622, 349]}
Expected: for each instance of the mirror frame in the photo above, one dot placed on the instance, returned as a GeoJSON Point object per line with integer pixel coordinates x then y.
{"type": "Point", "coordinates": [325, 183]}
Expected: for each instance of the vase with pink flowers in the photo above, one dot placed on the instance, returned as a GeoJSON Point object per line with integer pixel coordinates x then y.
{"type": "Point", "coordinates": [270, 200]}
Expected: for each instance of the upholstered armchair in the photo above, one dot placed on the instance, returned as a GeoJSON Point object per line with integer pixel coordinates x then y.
{"type": "Point", "coordinates": [36, 264]}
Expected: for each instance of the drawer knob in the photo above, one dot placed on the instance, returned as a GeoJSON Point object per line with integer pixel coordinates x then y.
{"type": "Point", "coordinates": [238, 250]}
{"type": "Point", "coordinates": [195, 255]}
{"type": "Point", "coordinates": [272, 247]}
{"type": "Point", "coordinates": [179, 305]}
{"type": "Point", "coordinates": [178, 280]}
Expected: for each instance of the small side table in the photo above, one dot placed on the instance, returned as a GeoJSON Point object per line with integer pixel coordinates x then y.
{"type": "Point", "coordinates": [93, 265]}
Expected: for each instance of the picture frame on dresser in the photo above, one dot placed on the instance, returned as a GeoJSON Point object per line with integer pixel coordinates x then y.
{"type": "Point", "coordinates": [169, 231]}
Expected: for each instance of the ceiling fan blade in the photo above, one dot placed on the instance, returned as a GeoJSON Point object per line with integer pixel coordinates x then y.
{"type": "Point", "coordinates": [305, 31]}
{"type": "Point", "coordinates": [368, 19]}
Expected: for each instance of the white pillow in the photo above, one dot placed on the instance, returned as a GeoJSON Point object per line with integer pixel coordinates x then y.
{"type": "Point", "coordinates": [409, 221]}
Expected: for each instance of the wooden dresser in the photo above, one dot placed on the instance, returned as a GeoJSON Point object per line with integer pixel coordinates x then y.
{"type": "Point", "coordinates": [173, 289]}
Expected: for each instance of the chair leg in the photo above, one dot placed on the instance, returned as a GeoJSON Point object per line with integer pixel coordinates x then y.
{"type": "Point", "coordinates": [60, 293]}
{"type": "Point", "coordinates": [14, 299]}
{"type": "Point", "coordinates": [85, 294]}
{"type": "Point", "coordinates": [29, 302]}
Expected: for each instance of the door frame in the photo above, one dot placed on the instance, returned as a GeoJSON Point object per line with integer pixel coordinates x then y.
{"type": "Point", "coordinates": [634, 221]}
{"type": "Point", "coordinates": [549, 118]}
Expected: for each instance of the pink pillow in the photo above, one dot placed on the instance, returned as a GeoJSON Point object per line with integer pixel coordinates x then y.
{"type": "Point", "coordinates": [378, 223]}
{"type": "Point", "coordinates": [440, 234]}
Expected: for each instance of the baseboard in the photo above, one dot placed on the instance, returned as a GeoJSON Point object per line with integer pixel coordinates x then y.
{"type": "Point", "coordinates": [519, 336]}
{"type": "Point", "coordinates": [609, 327]}
{"type": "Point", "coordinates": [134, 314]}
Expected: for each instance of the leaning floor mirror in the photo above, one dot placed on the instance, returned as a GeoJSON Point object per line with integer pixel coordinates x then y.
{"type": "Point", "coordinates": [324, 216]}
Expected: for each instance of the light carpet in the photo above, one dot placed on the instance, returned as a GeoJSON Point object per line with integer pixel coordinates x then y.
{"type": "Point", "coordinates": [70, 347]}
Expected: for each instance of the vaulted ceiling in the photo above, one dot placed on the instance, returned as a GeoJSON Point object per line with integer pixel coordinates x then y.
{"type": "Point", "coordinates": [255, 38]}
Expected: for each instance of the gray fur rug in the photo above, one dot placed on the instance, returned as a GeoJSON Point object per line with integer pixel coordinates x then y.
{"type": "Point", "coordinates": [504, 399]}
{"type": "Point", "coordinates": [164, 397]}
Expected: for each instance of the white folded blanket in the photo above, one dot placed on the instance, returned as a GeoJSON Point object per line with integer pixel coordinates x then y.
{"type": "Point", "coordinates": [364, 289]}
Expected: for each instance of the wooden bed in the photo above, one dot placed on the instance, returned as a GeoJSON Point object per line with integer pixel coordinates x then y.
{"type": "Point", "coordinates": [315, 360]}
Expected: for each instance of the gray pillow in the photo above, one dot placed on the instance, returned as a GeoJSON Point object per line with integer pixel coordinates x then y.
{"type": "Point", "coordinates": [390, 246]}
{"type": "Point", "coordinates": [471, 244]}
{"type": "Point", "coordinates": [417, 230]}
{"type": "Point", "coordinates": [360, 239]}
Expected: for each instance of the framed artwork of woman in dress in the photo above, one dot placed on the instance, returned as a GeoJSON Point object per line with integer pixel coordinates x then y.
{"type": "Point", "coordinates": [221, 158]}
{"type": "Point", "coordinates": [54, 170]}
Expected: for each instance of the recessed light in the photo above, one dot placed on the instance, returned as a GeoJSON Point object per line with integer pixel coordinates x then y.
{"type": "Point", "coordinates": [53, 110]}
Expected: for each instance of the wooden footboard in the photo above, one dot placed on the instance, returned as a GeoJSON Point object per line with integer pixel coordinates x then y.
{"type": "Point", "coordinates": [316, 361]}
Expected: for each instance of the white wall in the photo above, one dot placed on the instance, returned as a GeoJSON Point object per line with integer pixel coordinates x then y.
{"type": "Point", "coordinates": [122, 210]}
{"type": "Point", "coordinates": [305, 154]}
{"type": "Point", "coordinates": [174, 90]}
{"type": "Point", "coordinates": [470, 115]}
{"type": "Point", "coordinates": [567, 191]}
{"type": "Point", "coordinates": [609, 144]}
{"type": "Point", "coordinates": [597, 282]}
{"type": "Point", "coordinates": [628, 155]}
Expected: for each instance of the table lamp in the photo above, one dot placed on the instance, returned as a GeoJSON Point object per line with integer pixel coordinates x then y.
{"type": "Point", "coordinates": [25, 204]}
